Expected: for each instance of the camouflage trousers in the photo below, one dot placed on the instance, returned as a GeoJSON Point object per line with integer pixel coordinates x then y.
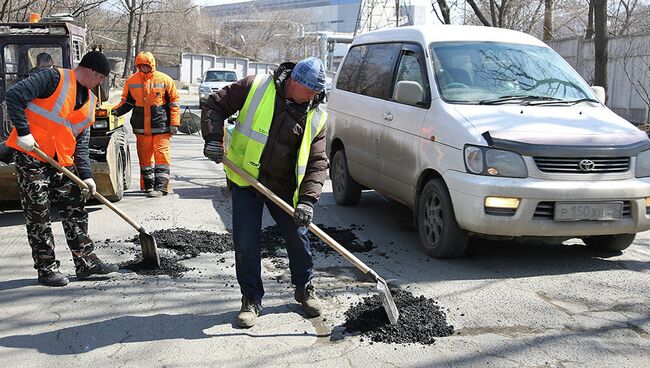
{"type": "Point", "coordinates": [41, 187]}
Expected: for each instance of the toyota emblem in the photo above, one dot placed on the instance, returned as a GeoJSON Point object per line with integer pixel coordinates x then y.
{"type": "Point", "coordinates": [586, 165]}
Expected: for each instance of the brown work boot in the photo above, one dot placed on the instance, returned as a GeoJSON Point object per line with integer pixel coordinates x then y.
{"type": "Point", "coordinates": [306, 296]}
{"type": "Point", "coordinates": [155, 194]}
{"type": "Point", "coordinates": [91, 265]}
{"type": "Point", "coordinates": [248, 313]}
{"type": "Point", "coordinates": [51, 276]}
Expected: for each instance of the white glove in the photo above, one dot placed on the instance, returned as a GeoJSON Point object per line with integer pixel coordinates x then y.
{"type": "Point", "coordinates": [92, 187]}
{"type": "Point", "coordinates": [27, 142]}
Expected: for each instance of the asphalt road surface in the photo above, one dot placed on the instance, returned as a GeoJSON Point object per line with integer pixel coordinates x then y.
{"type": "Point", "coordinates": [512, 304]}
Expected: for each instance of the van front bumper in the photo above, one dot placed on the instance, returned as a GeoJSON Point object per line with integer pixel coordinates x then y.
{"type": "Point", "coordinates": [534, 216]}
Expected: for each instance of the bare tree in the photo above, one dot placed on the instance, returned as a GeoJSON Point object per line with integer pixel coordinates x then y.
{"type": "Point", "coordinates": [548, 19]}
{"type": "Point", "coordinates": [600, 42]}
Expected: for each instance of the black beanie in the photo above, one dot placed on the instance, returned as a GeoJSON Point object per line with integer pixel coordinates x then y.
{"type": "Point", "coordinates": [96, 61]}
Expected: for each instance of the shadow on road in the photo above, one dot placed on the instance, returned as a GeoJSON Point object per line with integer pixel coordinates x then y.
{"type": "Point", "coordinates": [130, 329]}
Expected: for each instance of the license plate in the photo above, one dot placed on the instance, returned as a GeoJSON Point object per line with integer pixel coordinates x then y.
{"type": "Point", "coordinates": [574, 211]}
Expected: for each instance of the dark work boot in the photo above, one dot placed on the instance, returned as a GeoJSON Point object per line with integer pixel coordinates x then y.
{"type": "Point", "coordinates": [306, 296]}
{"type": "Point", "coordinates": [155, 194]}
{"type": "Point", "coordinates": [248, 313]}
{"type": "Point", "coordinates": [91, 265]}
{"type": "Point", "coordinates": [51, 276]}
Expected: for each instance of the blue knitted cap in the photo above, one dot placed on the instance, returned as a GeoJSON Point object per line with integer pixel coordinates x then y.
{"type": "Point", "coordinates": [310, 72]}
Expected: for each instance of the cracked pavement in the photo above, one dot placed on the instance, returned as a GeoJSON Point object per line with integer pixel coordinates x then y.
{"type": "Point", "coordinates": [512, 304]}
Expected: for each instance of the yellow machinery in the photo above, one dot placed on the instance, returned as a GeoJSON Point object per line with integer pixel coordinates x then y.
{"type": "Point", "coordinates": [21, 45]}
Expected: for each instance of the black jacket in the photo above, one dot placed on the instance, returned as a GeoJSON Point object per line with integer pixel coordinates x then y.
{"type": "Point", "coordinates": [278, 161]}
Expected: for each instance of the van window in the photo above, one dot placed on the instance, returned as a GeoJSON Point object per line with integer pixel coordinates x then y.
{"type": "Point", "coordinates": [349, 73]}
{"type": "Point", "coordinates": [376, 73]}
{"type": "Point", "coordinates": [471, 72]}
{"type": "Point", "coordinates": [412, 67]}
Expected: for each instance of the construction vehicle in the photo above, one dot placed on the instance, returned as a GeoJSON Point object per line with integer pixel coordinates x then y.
{"type": "Point", "coordinates": [20, 47]}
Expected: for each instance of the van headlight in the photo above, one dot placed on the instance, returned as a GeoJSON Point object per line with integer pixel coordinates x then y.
{"type": "Point", "coordinates": [205, 90]}
{"type": "Point", "coordinates": [494, 162]}
{"type": "Point", "coordinates": [643, 164]}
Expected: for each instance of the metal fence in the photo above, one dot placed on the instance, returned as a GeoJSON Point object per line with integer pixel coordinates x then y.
{"type": "Point", "coordinates": [628, 68]}
{"type": "Point", "coordinates": [193, 66]}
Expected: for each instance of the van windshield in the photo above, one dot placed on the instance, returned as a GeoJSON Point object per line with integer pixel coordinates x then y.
{"type": "Point", "coordinates": [220, 76]}
{"type": "Point", "coordinates": [480, 72]}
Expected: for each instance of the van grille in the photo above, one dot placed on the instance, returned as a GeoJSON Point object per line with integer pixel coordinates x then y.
{"type": "Point", "coordinates": [546, 210]}
{"type": "Point", "coordinates": [573, 165]}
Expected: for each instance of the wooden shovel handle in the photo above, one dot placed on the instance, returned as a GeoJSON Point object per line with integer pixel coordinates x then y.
{"type": "Point", "coordinates": [83, 185]}
{"type": "Point", "coordinates": [312, 227]}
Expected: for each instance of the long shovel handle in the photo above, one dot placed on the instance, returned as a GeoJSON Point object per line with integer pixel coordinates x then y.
{"type": "Point", "coordinates": [83, 185]}
{"type": "Point", "coordinates": [315, 229]}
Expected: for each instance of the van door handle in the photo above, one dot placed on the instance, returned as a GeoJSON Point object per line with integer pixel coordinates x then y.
{"type": "Point", "coordinates": [388, 116]}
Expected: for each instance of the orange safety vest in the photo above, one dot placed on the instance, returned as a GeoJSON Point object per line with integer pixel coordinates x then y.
{"type": "Point", "coordinates": [55, 123]}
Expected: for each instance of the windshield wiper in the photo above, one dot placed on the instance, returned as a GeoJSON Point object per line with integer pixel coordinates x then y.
{"type": "Point", "coordinates": [511, 98]}
{"type": "Point", "coordinates": [566, 102]}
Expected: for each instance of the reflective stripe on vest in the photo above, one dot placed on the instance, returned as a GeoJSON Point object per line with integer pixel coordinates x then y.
{"type": "Point", "coordinates": [55, 123]}
{"type": "Point", "coordinates": [251, 133]}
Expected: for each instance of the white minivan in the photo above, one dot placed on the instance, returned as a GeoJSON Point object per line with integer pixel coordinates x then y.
{"type": "Point", "coordinates": [485, 132]}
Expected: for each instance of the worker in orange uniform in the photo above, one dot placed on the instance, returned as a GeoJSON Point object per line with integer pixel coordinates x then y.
{"type": "Point", "coordinates": [156, 117]}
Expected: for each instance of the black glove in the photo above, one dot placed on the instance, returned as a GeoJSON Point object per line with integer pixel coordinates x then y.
{"type": "Point", "coordinates": [303, 214]}
{"type": "Point", "coordinates": [213, 150]}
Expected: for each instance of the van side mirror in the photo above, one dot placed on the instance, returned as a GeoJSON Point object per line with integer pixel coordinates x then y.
{"type": "Point", "coordinates": [600, 93]}
{"type": "Point", "coordinates": [198, 80]}
{"type": "Point", "coordinates": [408, 92]}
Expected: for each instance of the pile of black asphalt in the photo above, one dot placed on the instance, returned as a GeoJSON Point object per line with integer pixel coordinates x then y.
{"type": "Point", "coordinates": [186, 243]}
{"type": "Point", "coordinates": [420, 321]}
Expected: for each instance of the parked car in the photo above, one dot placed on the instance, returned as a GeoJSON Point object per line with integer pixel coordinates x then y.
{"type": "Point", "coordinates": [214, 80]}
{"type": "Point", "coordinates": [485, 132]}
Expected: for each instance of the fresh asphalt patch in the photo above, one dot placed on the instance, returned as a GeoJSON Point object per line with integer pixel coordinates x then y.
{"type": "Point", "coordinates": [186, 243]}
{"type": "Point", "coordinates": [421, 320]}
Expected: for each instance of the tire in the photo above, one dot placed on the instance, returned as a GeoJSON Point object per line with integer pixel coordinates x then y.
{"type": "Point", "coordinates": [6, 153]}
{"type": "Point", "coordinates": [439, 233]}
{"type": "Point", "coordinates": [347, 192]}
{"type": "Point", "coordinates": [128, 174]}
{"type": "Point", "coordinates": [609, 243]}
{"type": "Point", "coordinates": [119, 190]}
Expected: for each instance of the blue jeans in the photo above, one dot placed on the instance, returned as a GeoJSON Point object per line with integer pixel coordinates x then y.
{"type": "Point", "coordinates": [247, 206]}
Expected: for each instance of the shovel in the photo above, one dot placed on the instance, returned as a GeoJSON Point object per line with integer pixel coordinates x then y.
{"type": "Point", "coordinates": [382, 287]}
{"type": "Point", "coordinates": [147, 242]}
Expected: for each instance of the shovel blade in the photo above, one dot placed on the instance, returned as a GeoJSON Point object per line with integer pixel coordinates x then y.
{"type": "Point", "coordinates": [387, 301]}
{"type": "Point", "coordinates": [149, 249]}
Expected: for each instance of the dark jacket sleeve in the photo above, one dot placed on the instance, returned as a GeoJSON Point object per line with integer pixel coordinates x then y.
{"type": "Point", "coordinates": [82, 155]}
{"type": "Point", "coordinates": [222, 104]}
{"type": "Point", "coordinates": [126, 104]}
{"type": "Point", "coordinates": [316, 173]}
{"type": "Point", "coordinates": [39, 85]}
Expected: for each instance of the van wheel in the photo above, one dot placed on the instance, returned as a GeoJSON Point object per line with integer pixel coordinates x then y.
{"type": "Point", "coordinates": [346, 191]}
{"type": "Point", "coordinates": [440, 235]}
{"type": "Point", "coordinates": [609, 243]}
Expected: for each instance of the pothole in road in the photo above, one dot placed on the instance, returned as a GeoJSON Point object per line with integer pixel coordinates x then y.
{"type": "Point", "coordinates": [421, 320]}
{"type": "Point", "coordinates": [190, 243]}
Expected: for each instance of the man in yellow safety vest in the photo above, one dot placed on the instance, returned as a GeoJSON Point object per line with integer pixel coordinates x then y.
{"type": "Point", "coordinates": [279, 139]}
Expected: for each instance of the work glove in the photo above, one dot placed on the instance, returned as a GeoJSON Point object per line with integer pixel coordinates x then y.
{"type": "Point", "coordinates": [174, 129]}
{"type": "Point", "coordinates": [213, 150]}
{"type": "Point", "coordinates": [27, 142]}
{"type": "Point", "coordinates": [303, 214]}
{"type": "Point", "coordinates": [92, 188]}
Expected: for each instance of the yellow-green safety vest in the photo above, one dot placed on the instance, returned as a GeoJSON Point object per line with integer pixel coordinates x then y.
{"type": "Point", "coordinates": [252, 131]}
